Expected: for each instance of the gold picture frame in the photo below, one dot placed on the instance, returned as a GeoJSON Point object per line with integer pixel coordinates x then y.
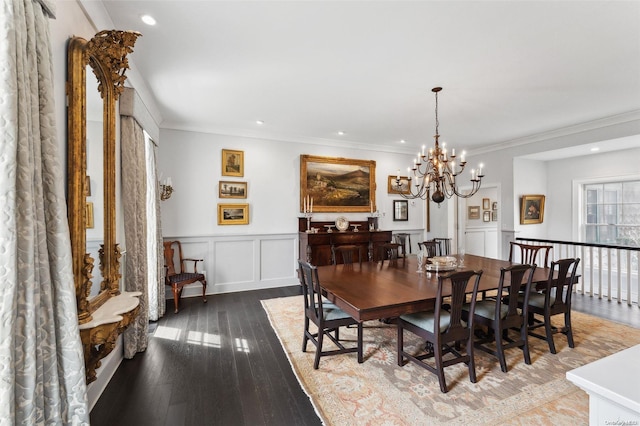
{"type": "Point", "coordinates": [337, 184]}
{"type": "Point", "coordinates": [232, 163]}
{"type": "Point", "coordinates": [89, 214]}
{"type": "Point", "coordinates": [531, 209]}
{"type": "Point", "coordinates": [486, 204]}
{"type": "Point", "coordinates": [402, 188]}
{"type": "Point", "coordinates": [473, 212]}
{"type": "Point", "coordinates": [232, 189]}
{"type": "Point", "coordinates": [233, 214]}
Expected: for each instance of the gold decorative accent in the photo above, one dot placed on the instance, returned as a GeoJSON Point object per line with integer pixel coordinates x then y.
{"type": "Point", "coordinates": [106, 53]}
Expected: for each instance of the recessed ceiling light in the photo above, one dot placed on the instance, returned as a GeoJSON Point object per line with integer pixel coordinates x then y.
{"type": "Point", "coordinates": [341, 133]}
{"type": "Point", "coordinates": [403, 141]}
{"type": "Point", "coordinates": [594, 149]}
{"type": "Point", "coordinates": [147, 19]}
{"type": "Point", "coordinates": [259, 122]}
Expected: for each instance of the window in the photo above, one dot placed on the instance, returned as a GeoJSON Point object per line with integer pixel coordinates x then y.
{"type": "Point", "coordinates": [612, 213]}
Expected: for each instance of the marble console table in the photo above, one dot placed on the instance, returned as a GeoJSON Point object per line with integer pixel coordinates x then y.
{"type": "Point", "coordinates": [613, 385]}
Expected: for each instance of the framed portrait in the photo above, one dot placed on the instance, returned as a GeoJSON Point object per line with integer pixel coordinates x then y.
{"type": "Point", "coordinates": [400, 210]}
{"type": "Point", "coordinates": [494, 216]}
{"type": "Point", "coordinates": [486, 204]}
{"type": "Point", "coordinates": [337, 184]}
{"type": "Point", "coordinates": [473, 212]}
{"type": "Point", "coordinates": [232, 163]}
{"type": "Point", "coordinates": [230, 189]}
{"type": "Point", "coordinates": [486, 216]}
{"type": "Point", "coordinates": [395, 187]}
{"type": "Point", "coordinates": [89, 214]}
{"type": "Point", "coordinates": [531, 209]}
{"type": "Point", "coordinates": [494, 205]}
{"type": "Point", "coordinates": [233, 214]}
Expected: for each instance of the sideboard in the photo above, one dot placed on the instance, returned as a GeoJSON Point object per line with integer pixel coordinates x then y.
{"type": "Point", "coordinates": [315, 247]}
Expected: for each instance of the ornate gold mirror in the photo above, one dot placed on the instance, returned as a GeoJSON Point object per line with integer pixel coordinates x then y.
{"type": "Point", "coordinates": [91, 198]}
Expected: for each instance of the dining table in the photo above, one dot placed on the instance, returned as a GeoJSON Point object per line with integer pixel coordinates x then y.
{"type": "Point", "coordinates": [388, 289]}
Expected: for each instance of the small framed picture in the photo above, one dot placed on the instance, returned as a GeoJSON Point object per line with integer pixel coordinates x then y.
{"type": "Point", "coordinates": [473, 212]}
{"type": "Point", "coordinates": [486, 204]}
{"type": "Point", "coordinates": [233, 214]}
{"type": "Point", "coordinates": [494, 205]}
{"type": "Point", "coordinates": [400, 210]}
{"type": "Point", "coordinates": [230, 189]}
{"type": "Point", "coordinates": [494, 216]}
{"type": "Point", "coordinates": [395, 186]}
{"type": "Point", "coordinates": [232, 163]}
{"type": "Point", "coordinates": [531, 209]}
{"type": "Point", "coordinates": [486, 216]}
{"type": "Point", "coordinates": [89, 214]}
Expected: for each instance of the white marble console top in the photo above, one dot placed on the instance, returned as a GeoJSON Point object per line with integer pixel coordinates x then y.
{"type": "Point", "coordinates": [112, 309]}
{"type": "Point", "coordinates": [616, 378]}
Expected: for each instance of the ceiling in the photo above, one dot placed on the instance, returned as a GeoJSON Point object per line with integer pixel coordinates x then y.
{"type": "Point", "coordinates": [309, 69]}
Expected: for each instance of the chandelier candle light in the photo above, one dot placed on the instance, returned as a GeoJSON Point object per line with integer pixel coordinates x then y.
{"type": "Point", "coordinates": [434, 172]}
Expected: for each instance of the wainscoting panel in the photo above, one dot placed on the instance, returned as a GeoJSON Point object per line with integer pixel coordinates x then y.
{"type": "Point", "coordinates": [241, 262]}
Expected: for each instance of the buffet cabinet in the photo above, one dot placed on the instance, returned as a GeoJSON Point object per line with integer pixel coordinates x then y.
{"type": "Point", "coordinates": [316, 242]}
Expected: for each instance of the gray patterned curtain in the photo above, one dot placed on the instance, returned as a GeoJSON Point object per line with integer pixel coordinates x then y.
{"type": "Point", "coordinates": [134, 202]}
{"type": "Point", "coordinates": [42, 369]}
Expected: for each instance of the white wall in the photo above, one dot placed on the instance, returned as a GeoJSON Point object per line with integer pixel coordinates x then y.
{"type": "Point", "coordinates": [530, 178]}
{"type": "Point", "coordinates": [561, 175]}
{"type": "Point", "coordinates": [262, 253]}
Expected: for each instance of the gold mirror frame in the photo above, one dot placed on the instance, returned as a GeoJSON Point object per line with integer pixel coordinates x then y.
{"type": "Point", "coordinates": [106, 53]}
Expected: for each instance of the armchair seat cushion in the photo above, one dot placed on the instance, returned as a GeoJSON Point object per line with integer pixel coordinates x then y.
{"type": "Point", "coordinates": [425, 320]}
{"type": "Point", "coordinates": [182, 278]}
{"type": "Point", "coordinates": [487, 308]}
{"type": "Point", "coordinates": [537, 299]}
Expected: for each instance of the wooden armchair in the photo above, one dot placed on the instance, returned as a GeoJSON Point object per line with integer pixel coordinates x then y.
{"type": "Point", "coordinates": [179, 278]}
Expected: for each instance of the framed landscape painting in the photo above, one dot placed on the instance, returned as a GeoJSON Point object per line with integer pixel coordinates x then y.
{"type": "Point", "coordinates": [395, 187]}
{"type": "Point", "coordinates": [230, 189]}
{"type": "Point", "coordinates": [232, 163]}
{"type": "Point", "coordinates": [233, 214]}
{"type": "Point", "coordinates": [337, 184]}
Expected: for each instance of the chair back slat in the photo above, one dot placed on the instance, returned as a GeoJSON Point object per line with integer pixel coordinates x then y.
{"type": "Point", "coordinates": [444, 246]}
{"type": "Point", "coordinates": [560, 285]}
{"type": "Point", "coordinates": [529, 254]}
{"type": "Point", "coordinates": [430, 248]}
{"type": "Point", "coordinates": [511, 279]}
{"type": "Point", "coordinates": [459, 282]}
{"type": "Point", "coordinates": [311, 289]}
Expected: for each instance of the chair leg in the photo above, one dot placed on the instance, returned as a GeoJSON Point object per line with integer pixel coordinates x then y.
{"type": "Point", "coordinates": [204, 291]}
{"type": "Point", "coordinates": [360, 349]}
{"type": "Point", "coordinates": [472, 359]}
{"type": "Point", "coordinates": [500, 352]}
{"type": "Point", "coordinates": [569, 329]}
{"type": "Point", "coordinates": [305, 338]}
{"type": "Point", "coordinates": [524, 335]}
{"type": "Point", "coordinates": [316, 362]}
{"type": "Point", "coordinates": [439, 368]}
{"type": "Point", "coordinates": [400, 345]}
{"type": "Point", "coordinates": [176, 298]}
{"type": "Point", "coordinates": [549, 331]}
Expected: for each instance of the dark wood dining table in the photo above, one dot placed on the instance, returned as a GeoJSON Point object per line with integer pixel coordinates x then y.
{"type": "Point", "coordinates": [375, 290]}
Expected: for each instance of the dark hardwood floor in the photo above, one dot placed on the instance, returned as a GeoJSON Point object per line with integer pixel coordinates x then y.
{"type": "Point", "coordinates": [220, 363]}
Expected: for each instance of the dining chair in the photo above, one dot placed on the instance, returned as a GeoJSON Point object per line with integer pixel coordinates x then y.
{"type": "Point", "coordinates": [347, 253]}
{"type": "Point", "coordinates": [178, 278]}
{"type": "Point", "coordinates": [390, 252]}
{"type": "Point", "coordinates": [430, 248]}
{"type": "Point", "coordinates": [402, 238]}
{"type": "Point", "coordinates": [444, 246]}
{"type": "Point", "coordinates": [500, 314]}
{"type": "Point", "coordinates": [444, 330]}
{"type": "Point", "coordinates": [555, 299]}
{"type": "Point", "coordinates": [527, 253]}
{"type": "Point", "coordinates": [326, 316]}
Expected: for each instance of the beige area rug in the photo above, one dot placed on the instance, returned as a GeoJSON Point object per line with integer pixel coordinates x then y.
{"type": "Point", "coordinates": [378, 392]}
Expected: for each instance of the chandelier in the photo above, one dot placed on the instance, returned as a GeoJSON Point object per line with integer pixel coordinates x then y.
{"type": "Point", "coordinates": [435, 172]}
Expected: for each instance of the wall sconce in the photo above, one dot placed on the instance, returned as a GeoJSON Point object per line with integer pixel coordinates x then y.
{"type": "Point", "coordinates": [166, 189]}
